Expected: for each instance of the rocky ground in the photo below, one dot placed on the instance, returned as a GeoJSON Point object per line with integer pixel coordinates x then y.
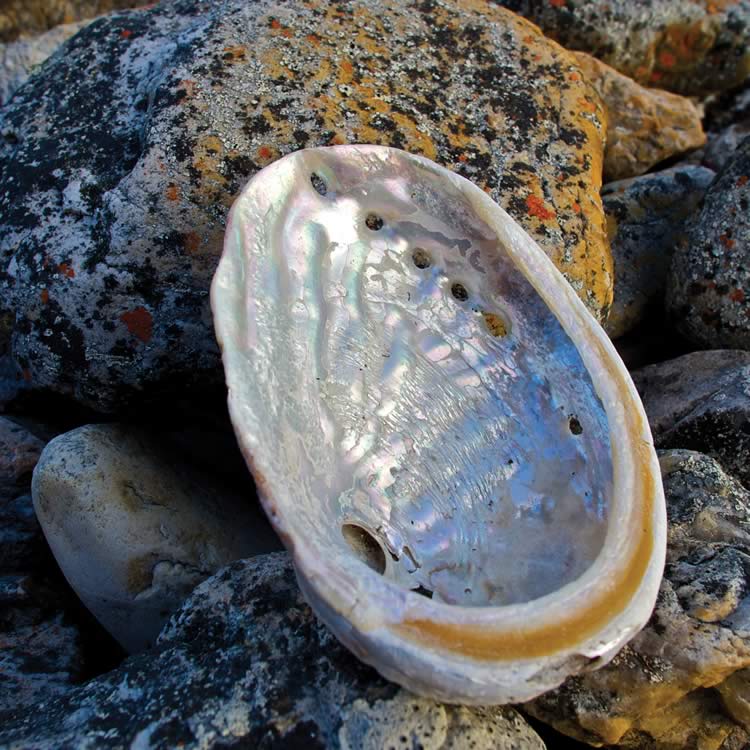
{"type": "Point", "coordinates": [157, 608]}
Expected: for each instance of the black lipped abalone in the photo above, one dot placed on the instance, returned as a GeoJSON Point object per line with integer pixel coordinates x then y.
{"type": "Point", "coordinates": [440, 432]}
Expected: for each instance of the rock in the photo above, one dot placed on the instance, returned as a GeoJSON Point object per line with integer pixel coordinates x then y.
{"type": "Point", "coordinates": [246, 664]}
{"type": "Point", "coordinates": [135, 529]}
{"type": "Point", "coordinates": [721, 146]}
{"type": "Point", "coordinates": [701, 401]}
{"type": "Point", "coordinates": [708, 294]}
{"type": "Point", "coordinates": [688, 46]}
{"type": "Point", "coordinates": [660, 692]}
{"type": "Point", "coordinates": [644, 126]}
{"type": "Point", "coordinates": [19, 58]}
{"type": "Point", "coordinates": [646, 218]}
{"type": "Point", "coordinates": [114, 186]}
{"type": "Point", "coordinates": [29, 17]}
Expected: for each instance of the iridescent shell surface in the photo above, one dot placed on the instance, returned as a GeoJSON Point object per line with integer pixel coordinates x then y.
{"type": "Point", "coordinates": [440, 432]}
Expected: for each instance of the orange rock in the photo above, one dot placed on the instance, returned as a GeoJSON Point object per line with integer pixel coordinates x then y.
{"type": "Point", "coordinates": [645, 126]}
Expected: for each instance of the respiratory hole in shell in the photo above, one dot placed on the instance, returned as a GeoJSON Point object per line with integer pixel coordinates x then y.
{"type": "Point", "coordinates": [496, 324]}
{"type": "Point", "coordinates": [318, 183]}
{"type": "Point", "coordinates": [459, 292]}
{"type": "Point", "coordinates": [421, 258]}
{"type": "Point", "coordinates": [374, 222]}
{"type": "Point", "coordinates": [575, 425]}
{"type": "Point", "coordinates": [365, 546]}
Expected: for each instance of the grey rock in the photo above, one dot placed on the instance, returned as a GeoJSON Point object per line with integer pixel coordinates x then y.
{"type": "Point", "coordinates": [244, 663]}
{"type": "Point", "coordinates": [722, 145]}
{"type": "Point", "coordinates": [708, 293]}
{"type": "Point", "coordinates": [686, 46]}
{"type": "Point", "coordinates": [18, 59]}
{"type": "Point", "coordinates": [660, 691]}
{"type": "Point", "coordinates": [135, 529]}
{"type": "Point", "coordinates": [114, 186]}
{"type": "Point", "coordinates": [701, 401]}
{"type": "Point", "coordinates": [646, 218]}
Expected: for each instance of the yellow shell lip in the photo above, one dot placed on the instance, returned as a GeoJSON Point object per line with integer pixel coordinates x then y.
{"type": "Point", "coordinates": [592, 615]}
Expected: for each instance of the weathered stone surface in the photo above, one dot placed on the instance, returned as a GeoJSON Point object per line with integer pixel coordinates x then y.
{"type": "Point", "coordinates": [708, 294]}
{"type": "Point", "coordinates": [646, 219]}
{"type": "Point", "coordinates": [28, 17]}
{"type": "Point", "coordinates": [246, 664]}
{"type": "Point", "coordinates": [722, 145]}
{"type": "Point", "coordinates": [19, 58]}
{"type": "Point", "coordinates": [135, 529]}
{"type": "Point", "coordinates": [645, 126]}
{"type": "Point", "coordinates": [114, 186]}
{"type": "Point", "coordinates": [659, 691]}
{"type": "Point", "coordinates": [701, 401]}
{"type": "Point", "coordinates": [687, 46]}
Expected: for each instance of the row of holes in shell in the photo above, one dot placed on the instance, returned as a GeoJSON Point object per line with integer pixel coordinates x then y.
{"type": "Point", "coordinates": [497, 325]}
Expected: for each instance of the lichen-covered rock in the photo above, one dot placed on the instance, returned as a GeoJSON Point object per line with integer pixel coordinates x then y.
{"type": "Point", "coordinates": [645, 126]}
{"type": "Point", "coordinates": [29, 17]}
{"type": "Point", "coordinates": [114, 186]}
{"type": "Point", "coordinates": [687, 46]}
{"type": "Point", "coordinates": [17, 59]}
{"type": "Point", "coordinates": [135, 529]}
{"type": "Point", "coordinates": [646, 219]}
{"type": "Point", "coordinates": [701, 401]}
{"type": "Point", "coordinates": [246, 664]}
{"type": "Point", "coordinates": [708, 294]}
{"type": "Point", "coordinates": [660, 692]}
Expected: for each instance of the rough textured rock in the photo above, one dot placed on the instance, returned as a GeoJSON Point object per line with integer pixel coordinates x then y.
{"type": "Point", "coordinates": [135, 529]}
{"type": "Point", "coordinates": [701, 401]}
{"type": "Point", "coordinates": [687, 46]}
{"type": "Point", "coordinates": [114, 186]}
{"type": "Point", "coordinates": [246, 664]}
{"type": "Point", "coordinates": [19, 58]}
{"type": "Point", "coordinates": [29, 17]}
{"type": "Point", "coordinates": [645, 126]}
{"type": "Point", "coordinates": [708, 294]}
{"type": "Point", "coordinates": [722, 145]}
{"type": "Point", "coordinates": [660, 691]}
{"type": "Point", "coordinates": [646, 219]}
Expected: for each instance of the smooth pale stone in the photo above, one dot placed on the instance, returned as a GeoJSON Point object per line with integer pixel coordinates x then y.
{"type": "Point", "coordinates": [134, 529]}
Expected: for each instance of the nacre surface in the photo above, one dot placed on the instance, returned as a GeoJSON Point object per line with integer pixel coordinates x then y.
{"type": "Point", "coordinates": [440, 432]}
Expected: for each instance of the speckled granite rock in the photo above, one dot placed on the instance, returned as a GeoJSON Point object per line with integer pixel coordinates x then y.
{"type": "Point", "coordinates": [28, 17]}
{"type": "Point", "coordinates": [701, 401]}
{"type": "Point", "coordinates": [645, 126]}
{"type": "Point", "coordinates": [245, 664]}
{"type": "Point", "coordinates": [19, 58]}
{"type": "Point", "coordinates": [135, 528]}
{"type": "Point", "coordinates": [659, 691]}
{"type": "Point", "coordinates": [645, 219]}
{"type": "Point", "coordinates": [687, 46]}
{"type": "Point", "coordinates": [114, 186]}
{"type": "Point", "coordinates": [708, 295]}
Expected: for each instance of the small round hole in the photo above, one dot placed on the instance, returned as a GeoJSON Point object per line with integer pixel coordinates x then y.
{"type": "Point", "coordinates": [575, 426]}
{"type": "Point", "coordinates": [459, 292]}
{"type": "Point", "coordinates": [365, 546]}
{"type": "Point", "coordinates": [496, 324]}
{"type": "Point", "coordinates": [421, 258]}
{"type": "Point", "coordinates": [423, 591]}
{"type": "Point", "coordinates": [318, 183]}
{"type": "Point", "coordinates": [374, 222]}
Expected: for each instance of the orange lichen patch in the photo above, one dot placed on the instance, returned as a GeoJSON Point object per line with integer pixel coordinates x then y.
{"type": "Point", "coordinates": [587, 105]}
{"type": "Point", "coordinates": [235, 54]}
{"type": "Point", "coordinates": [44, 296]}
{"type": "Point", "coordinates": [667, 59]}
{"type": "Point", "coordinates": [66, 270]}
{"type": "Point", "coordinates": [126, 33]}
{"type": "Point", "coordinates": [139, 322]}
{"type": "Point", "coordinates": [535, 206]}
{"type": "Point", "coordinates": [737, 295]}
{"type": "Point", "coordinates": [574, 77]}
{"type": "Point", "coordinates": [172, 193]}
{"type": "Point", "coordinates": [346, 71]}
{"type": "Point", "coordinates": [557, 3]}
{"type": "Point", "coordinates": [191, 242]}
{"type": "Point", "coordinates": [265, 153]}
{"type": "Point", "coordinates": [314, 39]}
{"type": "Point", "coordinates": [742, 180]}
{"type": "Point", "coordinates": [727, 241]}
